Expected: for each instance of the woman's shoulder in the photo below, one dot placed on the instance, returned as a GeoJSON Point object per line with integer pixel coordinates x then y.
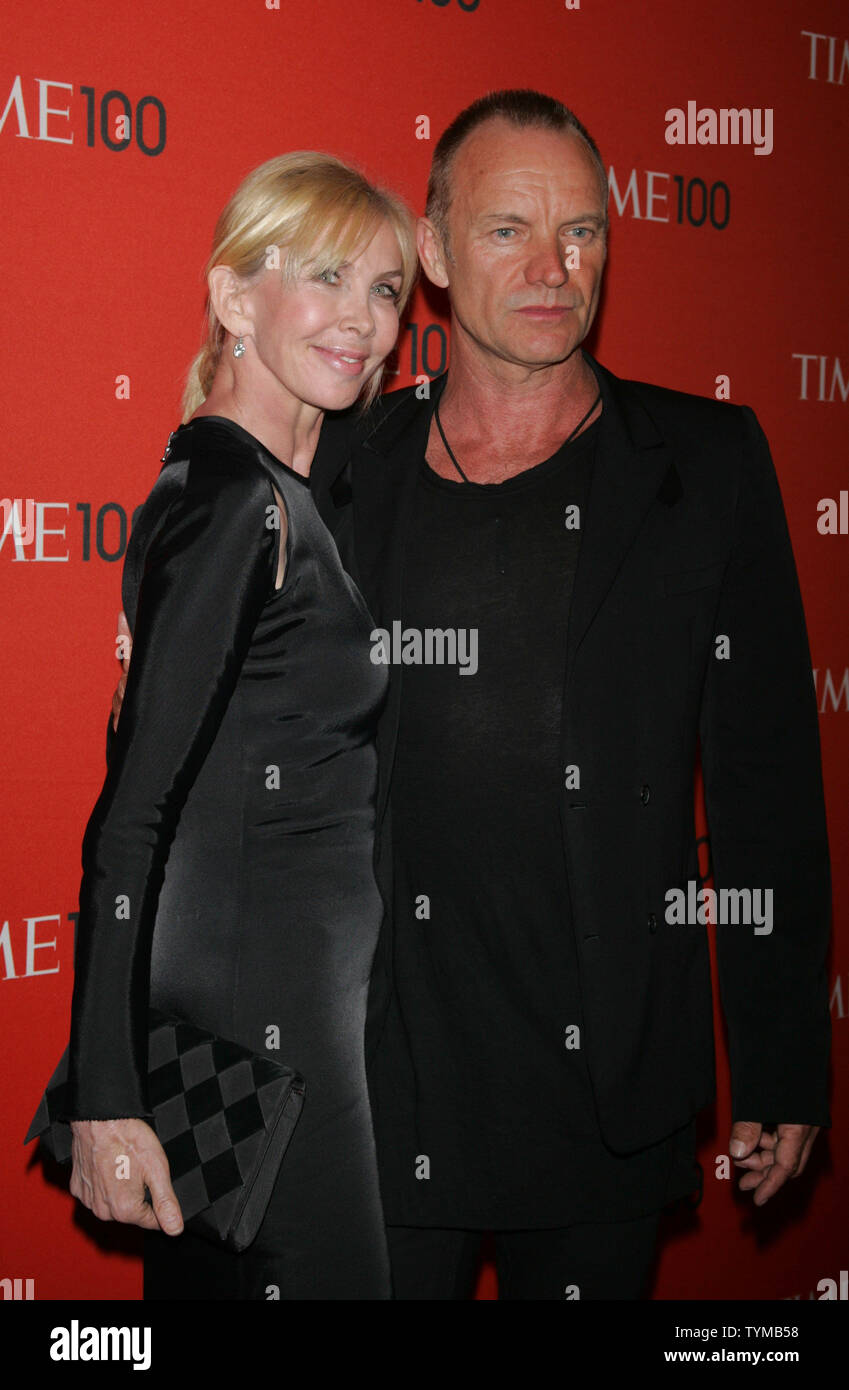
{"type": "Point", "coordinates": [213, 447]}
{"type": "Point", "coordinates": [203, 461]}
{"type": "Point", "coordinates": [211, 485]}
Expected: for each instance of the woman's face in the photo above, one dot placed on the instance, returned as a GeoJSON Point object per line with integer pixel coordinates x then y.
{"type": "Point", "coordinates": [323, 335]}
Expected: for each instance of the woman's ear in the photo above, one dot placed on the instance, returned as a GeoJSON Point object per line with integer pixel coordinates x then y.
{"type": "Point", "coordinates": [227, 294]}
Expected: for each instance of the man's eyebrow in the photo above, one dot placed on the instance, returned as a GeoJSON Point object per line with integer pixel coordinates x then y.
{"type": "Point", "coordinates": [597, 218]}
{"type": "Point", "coordinates": [504, 217]}
{"type": "Point", "coordinates": [594, 217]}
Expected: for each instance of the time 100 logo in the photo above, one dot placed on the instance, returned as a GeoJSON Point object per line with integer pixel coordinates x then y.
{"type": "Point", "coordinates": [119, 124]}
{"type": "Point", "coordinates": [467, 5]}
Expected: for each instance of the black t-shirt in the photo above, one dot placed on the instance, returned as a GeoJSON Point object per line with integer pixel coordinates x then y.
{"type": "Point", "coordinates": [482, 1099]}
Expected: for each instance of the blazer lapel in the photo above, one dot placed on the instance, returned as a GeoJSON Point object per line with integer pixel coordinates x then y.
{"type": "Point", "coordinates": [633, 463]}
{"type": "Point", "coordinates": [383, 482]}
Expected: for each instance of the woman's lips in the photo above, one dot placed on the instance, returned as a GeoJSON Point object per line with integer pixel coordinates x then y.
{"type": "Point", "coordinates": [348, 363]}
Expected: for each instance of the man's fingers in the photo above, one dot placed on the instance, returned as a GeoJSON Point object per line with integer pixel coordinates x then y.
{"type": "Point", "coordinates": [756, 1162]}
{"type": "Point", "coordinates": [744, 1138]}
{"type": "Point", "coordinates": [789, 1151]}
{"type": "Point", "coordinates": [765, 1185]}
{"type": "Point", "coordinates": [806, 1150]}
{"type": "Point", "coordinates": [763, 1156]}
{"type": "Point", "coordinates": [780, 1156]}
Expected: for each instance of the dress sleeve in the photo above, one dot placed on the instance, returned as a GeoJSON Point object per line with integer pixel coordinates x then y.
{"type": "Point", "coordinates": [207, 576]}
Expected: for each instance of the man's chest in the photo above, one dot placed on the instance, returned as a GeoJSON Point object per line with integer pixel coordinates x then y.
{"type": "Point", "coordinates": [493, 555]}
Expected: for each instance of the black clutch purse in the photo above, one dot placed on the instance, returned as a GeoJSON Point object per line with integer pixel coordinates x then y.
{"type": "Point", "coordinates": [223, 1115]}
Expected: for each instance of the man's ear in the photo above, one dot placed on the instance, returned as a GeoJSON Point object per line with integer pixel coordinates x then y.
{"type": "Point", "coordinates": [432, 252]}
{"type": "Point", "coordinates": [230, 301]}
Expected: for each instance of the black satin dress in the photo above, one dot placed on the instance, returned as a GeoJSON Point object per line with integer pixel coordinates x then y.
{"type": "Point", "coordinates": [236, 826]}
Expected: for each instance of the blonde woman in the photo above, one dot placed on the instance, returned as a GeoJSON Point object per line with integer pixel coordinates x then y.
{"type": "Point", "coordinates": [236, 818]}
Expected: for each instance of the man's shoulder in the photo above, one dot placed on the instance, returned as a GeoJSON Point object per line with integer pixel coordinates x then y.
{"type": "Point", "coordinates": [345, 433]}
{"type": "Point", "coordinates": [356, 425]}
{"type": "Point", "coordinates": [683, 416]}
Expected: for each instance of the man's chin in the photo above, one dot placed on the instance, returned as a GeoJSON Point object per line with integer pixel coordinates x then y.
{"type": "Point", "coordinates": [536, 357]}
{"type": "Point", "coordinates": [539, 348]}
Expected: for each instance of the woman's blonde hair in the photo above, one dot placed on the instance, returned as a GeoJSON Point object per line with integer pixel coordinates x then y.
{"type": "Point", "coordinates": [316, 210]}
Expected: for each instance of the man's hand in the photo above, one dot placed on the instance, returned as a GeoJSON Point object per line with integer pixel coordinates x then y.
{"type": "Point", "coordinates": [123, 651]}
{"type": "Point", "coordinates": [771, 1158]}
{"type": "Point", "coordinates": [114, 1161]}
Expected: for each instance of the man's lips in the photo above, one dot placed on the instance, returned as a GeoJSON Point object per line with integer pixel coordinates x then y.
{"type": "Point", "coordinates": [345, 360]}
{"type": "Point", "coordinates": [540, 311]}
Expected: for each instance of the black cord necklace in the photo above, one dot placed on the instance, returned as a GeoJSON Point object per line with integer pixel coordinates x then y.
{"type": "Point", "coordinates": [579, 425]}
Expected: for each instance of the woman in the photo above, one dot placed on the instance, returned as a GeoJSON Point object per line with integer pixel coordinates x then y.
{"type": "Point", "coordinates": [228, 861]}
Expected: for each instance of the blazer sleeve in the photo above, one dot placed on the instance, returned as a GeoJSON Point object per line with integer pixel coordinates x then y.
{"type": "Point", "coordinates": [766, 814]}
{"type": "Point", "coordinates": [208, 572]}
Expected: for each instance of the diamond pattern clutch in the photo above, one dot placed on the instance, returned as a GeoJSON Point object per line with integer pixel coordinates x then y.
{"type": "Point", "coordinates": [223, 1115]}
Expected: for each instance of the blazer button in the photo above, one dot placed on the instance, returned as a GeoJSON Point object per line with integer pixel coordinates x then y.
{"type": "Point", "coordinates": [652, 922]}
{"type": "Point", "coordinates": [645, 793]}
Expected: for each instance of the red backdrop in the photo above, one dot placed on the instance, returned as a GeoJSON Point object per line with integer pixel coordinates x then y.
{"type": "Point", "coordinates": [722, 262]}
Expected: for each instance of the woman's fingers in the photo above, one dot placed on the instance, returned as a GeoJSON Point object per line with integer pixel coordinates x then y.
{"type": "Point", "coordinates": [118, 700]}
{"type": "Point", "coordinates": [115, 1162]}
{"type": "Point", "coordinates": [164, 1199]}
{"type": "Point", "coordinates": [123, 651]}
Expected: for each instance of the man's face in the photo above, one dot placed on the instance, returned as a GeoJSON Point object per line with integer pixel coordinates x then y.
{"type": "Point", "coordinates": [521, 200]}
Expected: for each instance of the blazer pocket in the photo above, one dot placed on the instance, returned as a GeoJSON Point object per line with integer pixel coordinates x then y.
{"type": "Point", "coordinates": [686, 581]}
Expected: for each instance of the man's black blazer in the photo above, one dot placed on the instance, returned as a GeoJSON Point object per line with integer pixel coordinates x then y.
{"type": "Point", "coordinates": [684, 543]}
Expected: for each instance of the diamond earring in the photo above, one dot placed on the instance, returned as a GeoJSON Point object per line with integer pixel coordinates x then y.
{"type": "Point", "coordinates": [239, 348]}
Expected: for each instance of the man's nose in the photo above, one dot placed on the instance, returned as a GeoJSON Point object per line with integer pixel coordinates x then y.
{"type": "Point", "coordinates": [547, 264]}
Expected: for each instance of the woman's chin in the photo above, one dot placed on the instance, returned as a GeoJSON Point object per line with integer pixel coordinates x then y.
{"type": "Point", "coordinates": [339, 395]}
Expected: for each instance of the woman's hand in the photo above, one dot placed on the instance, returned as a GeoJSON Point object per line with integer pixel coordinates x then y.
{"type": "Point", "coordinates": [114, 1161]}
{"type": "Point", "coordinates": [123, 651]}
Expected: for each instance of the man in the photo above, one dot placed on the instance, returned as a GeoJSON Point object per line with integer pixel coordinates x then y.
{"type": "Point", "coordinates": [574, 579]}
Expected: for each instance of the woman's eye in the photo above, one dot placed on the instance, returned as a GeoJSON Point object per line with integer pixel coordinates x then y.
{"type": "Point", "coordinates": [389, 291]}
{"type": "Point", "coordinates": [330, 277]}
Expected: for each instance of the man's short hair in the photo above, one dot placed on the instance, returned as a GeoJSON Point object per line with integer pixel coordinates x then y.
{"type": "Point", "coordinates": [522, 107]}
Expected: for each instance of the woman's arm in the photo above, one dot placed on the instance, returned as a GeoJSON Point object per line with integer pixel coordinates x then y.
{"type": "Point", "coordinates": [208, 573]}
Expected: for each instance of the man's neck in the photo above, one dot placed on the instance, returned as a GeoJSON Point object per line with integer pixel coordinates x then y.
{"type": "Point", "coordinates": [500, 419]}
